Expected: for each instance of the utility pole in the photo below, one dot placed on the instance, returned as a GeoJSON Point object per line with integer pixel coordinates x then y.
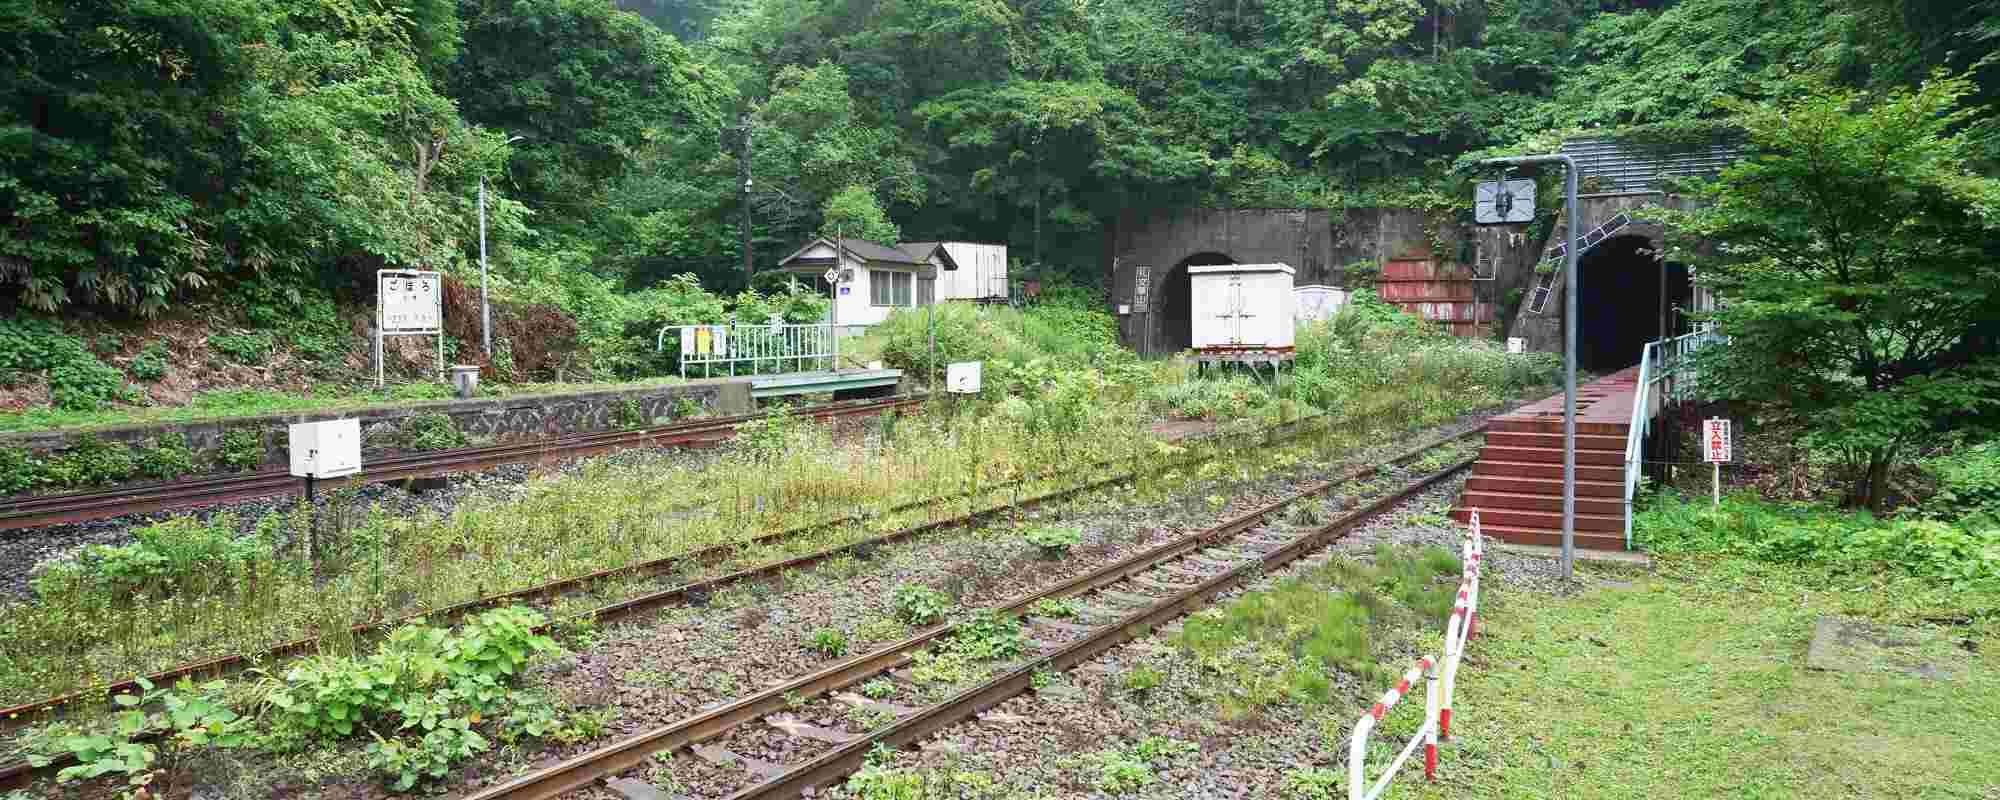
{"type": "Point", "coordinates": [1570, 224]}
{"type": "Point", "coordinates": [743, 172]}
{"type": "Point", "coordinates": [485, 310]}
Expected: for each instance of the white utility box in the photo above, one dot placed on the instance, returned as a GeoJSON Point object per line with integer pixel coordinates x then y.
{"type": "Point", "coordinates": [327, 449]}
{"type": "Point", "coordinates": [1317, 303]}
{"type": "Point", "coordinates": [962, 377]}
{"type": "Point", "coordinates": [1245, 309]}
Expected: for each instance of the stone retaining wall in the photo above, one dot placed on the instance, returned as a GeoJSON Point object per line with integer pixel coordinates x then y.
{"type": "Point", "coordinates": [483, 421]}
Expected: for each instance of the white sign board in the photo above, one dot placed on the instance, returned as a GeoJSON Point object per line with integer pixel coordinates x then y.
{"type": "Point", "coordinates": [962, 377]}
{"type": "Point", "coordinates": [326, 449]}
{"type": "Point", "coordinates": [409, 302]}
{"type": "Point", "coordinates": [1516, 344]}
{"type": "Point", "coordinates": [1715, 445]}
{"type": "Point", "coordinates": [1142, 286]}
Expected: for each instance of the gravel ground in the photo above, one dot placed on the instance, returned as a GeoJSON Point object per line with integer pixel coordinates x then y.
{"type": "Point", "coordinates": [1057, 742]}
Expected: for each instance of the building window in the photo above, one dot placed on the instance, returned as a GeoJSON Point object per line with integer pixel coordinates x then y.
{"type": "Point", "coordinates": [888, 288]}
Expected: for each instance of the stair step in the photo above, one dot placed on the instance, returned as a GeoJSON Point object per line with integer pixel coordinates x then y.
{"type": "Point", "coordinates": [1542, 502]}
{"type": "Point", "coordinates": [1552, 455]}
{"type": "Point", "coordinates": [1585, 540]}
{"type": "Point", "coordinates": [1555, 425]}
{"type": "Point", "coordinates": [1551, 485]}
{"type": "Point", "coordinates": [1502, 468]}
{"type": "Point", "coordinates": [1555, 441]}
{"type": "Point", "coordinates": [1545, 520]}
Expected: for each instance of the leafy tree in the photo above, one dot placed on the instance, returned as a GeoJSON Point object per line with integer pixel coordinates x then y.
{"type": "Point", "coordinates": [1860, 266]}
{"type": "Point", "coordinates": [853, 213]}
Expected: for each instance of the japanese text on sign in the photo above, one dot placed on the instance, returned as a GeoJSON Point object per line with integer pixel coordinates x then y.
{"type": "Point", "coordinates": [410, 302]}
{"type": "Point", "coordinates": [1715, 440]}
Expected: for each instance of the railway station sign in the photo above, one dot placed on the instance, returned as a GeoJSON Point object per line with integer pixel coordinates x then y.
{"type": "Point", "coordinates": [409, 302]}
{"type": "Point", "coordinates": [1715, 440]}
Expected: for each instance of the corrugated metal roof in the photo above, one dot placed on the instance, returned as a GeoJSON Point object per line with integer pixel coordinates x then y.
{"type": "Point", "coordinates": [1622, 167]}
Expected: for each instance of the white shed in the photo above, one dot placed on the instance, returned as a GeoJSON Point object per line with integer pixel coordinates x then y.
{"type": "Point", "coordinates": [1245, 309]}
{"type": "Point", "coordinates": [1317, 303]}
{"type": "Point", "coordinates": [969, 271]}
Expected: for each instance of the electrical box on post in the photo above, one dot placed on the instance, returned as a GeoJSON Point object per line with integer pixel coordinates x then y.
{"type": "Point", "coordinates": [327, 449]}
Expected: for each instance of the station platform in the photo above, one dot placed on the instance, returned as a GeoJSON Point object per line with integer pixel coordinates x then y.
{"type": "Point", "coordinates": [852, 381]}
{"type": "Point", "coordinates": [1517, 482]}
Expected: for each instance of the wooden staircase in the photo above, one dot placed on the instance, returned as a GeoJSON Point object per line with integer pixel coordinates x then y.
{"type": "Point", "coordinates": [1517, 482]}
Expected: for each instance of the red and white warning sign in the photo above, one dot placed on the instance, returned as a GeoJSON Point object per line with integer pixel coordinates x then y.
{"type": "Point", "coordinates": [1715, 440]}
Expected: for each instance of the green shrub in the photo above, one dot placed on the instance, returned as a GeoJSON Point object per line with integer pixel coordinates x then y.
{"type": "Point", "coordinates": [1968, 485]}
{"type": "Point", "coordinates": [829, 642]}
{"type": "Point", "coordinates": [403, 761]}
{"type": "Point", "coordinates": [432, 432]}
{"type": "Point", "coordinates": [1962, 557]}
{"type": "Point", "coordinates": [90, 461]}
{"type": "Point", "coordinates": [1054, 540]}
{"type": "Point", "coordinates": [150, 741]}
{"type": "Point", "coordinates": [917, 604]}
{"type": "Point", "coordinates": [1315, 783]}
{"type": "Point", "coordinates": [84, 384]}
{"type": "Point", "coordinates": [242, 448]}
{"type": "Point", "coordinates": [1142, 679]}
{"type": "Point", "coordinates": [151, 363]}
{"type": "Point", "coordinates": [629, 413]}
{"type": "Point", "coordinates": [168, 458]}
{"type": "Point", "coordinates": [174, 555]}
{"type": "Point", "coordinates": [1054, 608]}
{"type": "Point", "coordinates": [243, 348]}
{"type": "Point", "coordinates": [20, 471]}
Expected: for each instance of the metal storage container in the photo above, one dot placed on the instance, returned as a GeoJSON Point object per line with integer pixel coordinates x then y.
{"type": "Point", "coordinates": [1243, 308]}
{"type": "Point", "coordinates": [1317, 303]}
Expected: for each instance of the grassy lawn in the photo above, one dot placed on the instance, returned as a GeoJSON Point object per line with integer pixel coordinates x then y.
{"type": "Point", "coordinates": [1692, 682]}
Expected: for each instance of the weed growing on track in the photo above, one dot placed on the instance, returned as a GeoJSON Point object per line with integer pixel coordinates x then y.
{"type": "Point", "coordinates": [920, 605]}
{"type": "Point", "coordinates": [829, 642]}
{"type": "Point", "coordinates": [1286, 644]}
{"type": "Point", "coordinates": [1054, 541]}
{"type": "Point", "coordinates": [878, 689]}
{"type": "Point", "coordinates": [1054, 608]}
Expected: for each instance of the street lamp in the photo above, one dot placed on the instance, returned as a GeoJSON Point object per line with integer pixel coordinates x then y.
{"type": "Point", "coordinates": [485, 312]}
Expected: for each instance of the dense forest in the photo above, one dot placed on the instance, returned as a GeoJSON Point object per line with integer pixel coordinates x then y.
{"type": "Point", "coordinates": [156, 149]}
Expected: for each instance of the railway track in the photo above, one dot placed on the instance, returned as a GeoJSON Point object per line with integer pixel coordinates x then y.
{"type": "Point", "coordinates": [55, 509]}
{"type": "Point", "coordinates": [19, 774]}
{"type": "Point", "coordinates": [1133, 596]}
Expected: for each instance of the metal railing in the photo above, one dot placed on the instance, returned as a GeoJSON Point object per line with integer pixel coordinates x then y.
{"type": "Point", "coordinates": [1665, 376]}
{"type": "Point", "coordinates": [803, 347]}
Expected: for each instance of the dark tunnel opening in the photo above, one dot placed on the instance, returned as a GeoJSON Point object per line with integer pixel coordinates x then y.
{"type": "Point", "coordinates": [1619, 300]}
{"type": "Point", "coordinates": [1177, 302]}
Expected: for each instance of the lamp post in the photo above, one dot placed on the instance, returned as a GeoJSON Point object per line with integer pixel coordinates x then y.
{"type": "Point", "coordinates": [1569, 344]}
{"type": "Point", "coordinates": [485, 312]}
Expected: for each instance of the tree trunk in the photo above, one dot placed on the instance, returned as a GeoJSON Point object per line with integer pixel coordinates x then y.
{"type": "Point", "coordinates": [1871, 488]}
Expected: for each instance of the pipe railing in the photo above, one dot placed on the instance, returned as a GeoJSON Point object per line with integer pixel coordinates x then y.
{"type": "Point", "coordinates": [1665, 376]}
{"type": "Point", "coordinates": [753, 346]}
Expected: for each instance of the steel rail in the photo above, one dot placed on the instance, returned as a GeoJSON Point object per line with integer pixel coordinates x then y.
{"type": "Point", "coordinates": [604, 762]}
{"type": "Point", "coordinates": [41, 510]}
{"type": "Point", "coordinates": [17, 775]}
{"type": "Point", "coordinates": [847, 758]}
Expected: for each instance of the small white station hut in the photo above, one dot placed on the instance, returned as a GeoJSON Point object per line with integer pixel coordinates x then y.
{"type": "Point", "coordinates": [1243, 312]}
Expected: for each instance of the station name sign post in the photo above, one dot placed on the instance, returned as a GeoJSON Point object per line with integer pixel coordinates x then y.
{"type": "Point", "coordinates": [408, 303]}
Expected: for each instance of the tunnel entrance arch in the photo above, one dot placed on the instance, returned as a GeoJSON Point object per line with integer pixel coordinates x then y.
{"type": "Point", "coordinates": [1176, 303]}
{"type": "Point", "coordinates": [1624, 292]}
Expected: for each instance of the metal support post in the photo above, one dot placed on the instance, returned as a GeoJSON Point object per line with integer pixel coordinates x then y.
{"type": "Point", "coordinates": [485, 313]}
{"type": "Point", "coordinates": [1571, 225]}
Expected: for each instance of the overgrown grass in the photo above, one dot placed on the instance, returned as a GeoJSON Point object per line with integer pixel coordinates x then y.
{"type": "Point", "coordinates": [1960, 557]}
{"type": "Point", "coordinates": [1692, 683]}
{"type": "Point", "coordinates": [1286, 643]}
{"type": "Point", "coordinates": [220, 403]}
